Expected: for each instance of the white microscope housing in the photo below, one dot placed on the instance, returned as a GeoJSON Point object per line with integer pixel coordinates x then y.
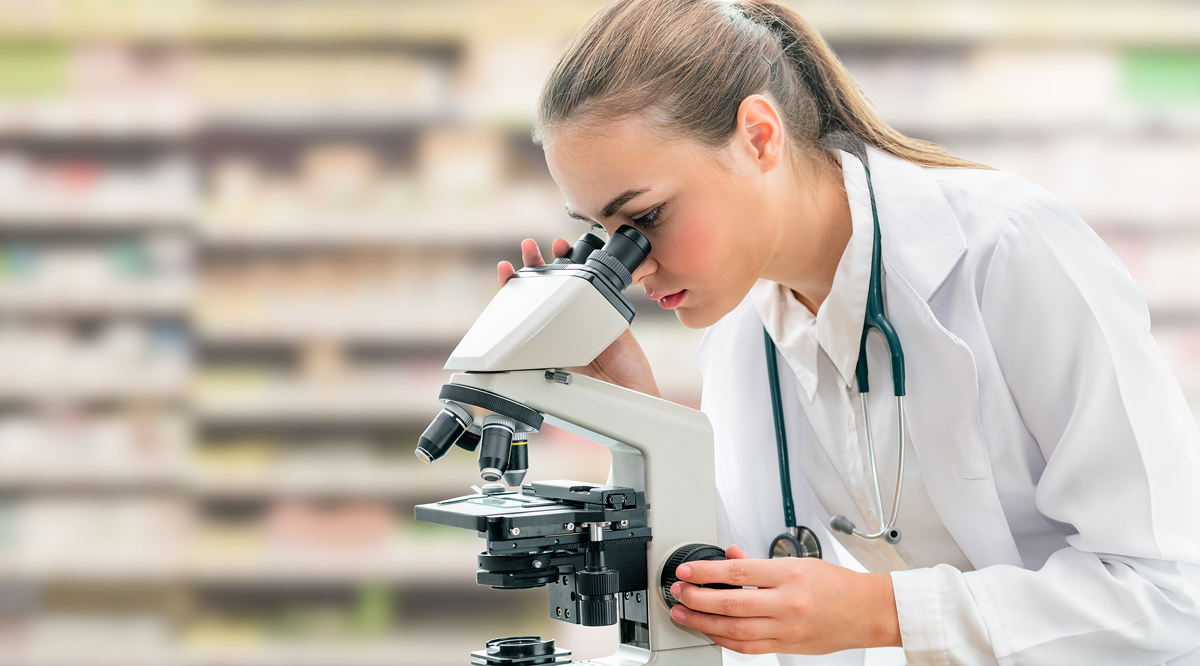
{"type": "Point", "coordinates": [659, 507]}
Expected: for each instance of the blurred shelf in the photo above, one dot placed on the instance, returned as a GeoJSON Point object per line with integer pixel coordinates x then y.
{"type": "Point", "coordinates": [104, 656]}
{"type": "Point", "coordinates": [454, 229]}
{"type": "Point", "coordinates": [925, 22]}
{"type": "Point", "coordinates": [427, 335]}
{"type": "Point", "coordinates": [78, 120]}
{"type": "Point", "coordinates": [379, 482]}
{"type": "Point", "coordinates": [306, 117]}
{"type": "Point", "coordinates": [76, 474]}
{"type": "Point", "coordinates": [149, 298]}
{"type": "Point", "coordinates": [81, 219]}
{"type": "Point", "coordinates": [937, 21]}
{"type": "Point", "coordinates": [365, 402]}
{"type": "Point", "coordinates": [30, 387]}
{"type": "Point", "coordinates": [444, 562]}
{"type": "Point", "coordinates": [400, 652]}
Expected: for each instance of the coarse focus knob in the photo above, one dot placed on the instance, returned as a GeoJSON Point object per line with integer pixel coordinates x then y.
{"type": "Point", "coordinates": [598, 611]}
{"type": "Point", "coordinates": [693, 552]}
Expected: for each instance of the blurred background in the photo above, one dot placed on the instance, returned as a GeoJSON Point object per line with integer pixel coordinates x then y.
{"type": "Point", "coordinates": [238, 239]}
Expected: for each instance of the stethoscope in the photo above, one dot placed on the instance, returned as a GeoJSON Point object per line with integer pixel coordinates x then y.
{"type": "Point", "coordinates": [800, 541]}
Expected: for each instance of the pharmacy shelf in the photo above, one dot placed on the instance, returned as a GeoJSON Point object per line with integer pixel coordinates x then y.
{"type": "Point", "coordinates": [307, 118]}
{"type": "Point", "coordinates": [362, 402]}
{"type": "Point", "coordinates": [65, 387]}
{"type": "Point", "coordinates": [445, 561]}
{"type": "Point", "coordinates": [75, 121]}
{"type": "Point", "coordinates": [874, 21]}
{"type": "Point", "coordinates": [82, 220]}
{"type": "Point", "coordinates": [149, 298]}
{"type": "Point", "coordinates": [213, 332]}
{"type": "Point", "coordinates": [462, 229]}
{"type": "Point", "coordinates": [75, 474]}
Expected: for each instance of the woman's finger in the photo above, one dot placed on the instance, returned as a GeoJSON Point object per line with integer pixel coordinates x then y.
{"type": "Point", "coordinates": [530, 253]}
{"type": "Point", "coordinates": [740, 572]}
{"type": "Point", "coordinates": [561, 247]}
{"type": "Point", "coordinates": [731, 603]}
{"type": "Point", "coordinates": [762, 646]}
{"type": "Point", "coordinates": [737, 628]}
{"type": "Point", "coordinates": [504, 270]}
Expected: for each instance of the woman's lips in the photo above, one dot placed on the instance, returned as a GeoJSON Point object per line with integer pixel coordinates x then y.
{"type": "Point", "coordinates": [671, 300]}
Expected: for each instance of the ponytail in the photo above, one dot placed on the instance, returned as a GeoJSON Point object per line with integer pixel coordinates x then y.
{"type": "Point", "coordinates": [687, 65]}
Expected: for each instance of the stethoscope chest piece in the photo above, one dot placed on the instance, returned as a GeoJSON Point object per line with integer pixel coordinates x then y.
{"type": "Point", "coordinates": [798, 541]}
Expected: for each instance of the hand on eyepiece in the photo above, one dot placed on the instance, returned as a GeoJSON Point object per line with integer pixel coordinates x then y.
{"type": "Point", "coordinates": [623, 363]}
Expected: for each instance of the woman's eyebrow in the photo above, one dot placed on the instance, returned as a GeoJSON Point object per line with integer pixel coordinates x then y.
{"type": "Point", "coordinates": [612, 207]}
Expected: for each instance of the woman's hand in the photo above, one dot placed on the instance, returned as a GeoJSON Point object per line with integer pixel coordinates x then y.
{"type": "Point", "coordinates": [802, 605]}
{"type": "Point", "coordinates": [623, 363]}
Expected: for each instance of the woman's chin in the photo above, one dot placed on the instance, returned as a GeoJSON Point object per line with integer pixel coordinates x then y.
{"type": "Point", "coordinates": [693, 318]}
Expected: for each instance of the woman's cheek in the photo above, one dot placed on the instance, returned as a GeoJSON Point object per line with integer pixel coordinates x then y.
{"type": "Point", "coordinates": [693, 254]}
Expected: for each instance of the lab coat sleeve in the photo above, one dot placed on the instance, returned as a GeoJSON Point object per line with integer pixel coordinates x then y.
{"type": "Point", "coordinates": [1071, 333]}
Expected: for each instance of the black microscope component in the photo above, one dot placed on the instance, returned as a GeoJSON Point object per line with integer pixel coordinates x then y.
{"type": "Point", "coordinates": [447, 427]}
{"type": "Point", "coordinates": [578, 254]}
{"type": "Point", "coordinates": [519, 651]}
{"type": "Point", "coordinates": [585, 542]}
{"type": "Point", "coordinates": [693, 552]}
{"type": "Point", "coordinates": [495, 447]}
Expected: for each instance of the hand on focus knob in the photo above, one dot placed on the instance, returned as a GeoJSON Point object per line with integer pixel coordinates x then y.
{"type": "Point", "coordinates": [623, 363]}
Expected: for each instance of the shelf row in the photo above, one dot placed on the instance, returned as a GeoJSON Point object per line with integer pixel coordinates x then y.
{"type": "Point", "coordinates": [921, 21]}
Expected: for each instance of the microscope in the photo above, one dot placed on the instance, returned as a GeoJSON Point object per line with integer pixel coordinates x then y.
{"type": "Point", "coordinates": [606, 553]}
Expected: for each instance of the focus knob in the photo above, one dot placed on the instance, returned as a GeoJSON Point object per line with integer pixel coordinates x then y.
{"type": "Point", "coordinates": [693, 552]}
{"type": "Point", "coordinates": [597, 597]}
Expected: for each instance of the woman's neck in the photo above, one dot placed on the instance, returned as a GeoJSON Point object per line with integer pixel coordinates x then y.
{"type": "Point", "coordinates": [813, 230]}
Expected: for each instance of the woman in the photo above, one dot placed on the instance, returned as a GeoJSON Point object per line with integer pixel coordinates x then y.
{"type": "Point", "coordinates": [1050, 508]}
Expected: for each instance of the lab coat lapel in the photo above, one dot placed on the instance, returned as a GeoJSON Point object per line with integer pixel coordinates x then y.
{"type": "Point", "coordinates": [922, 244]}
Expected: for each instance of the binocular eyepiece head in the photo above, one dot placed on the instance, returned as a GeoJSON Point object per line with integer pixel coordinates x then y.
{"type": "Point", "coordinates": [620, 256]}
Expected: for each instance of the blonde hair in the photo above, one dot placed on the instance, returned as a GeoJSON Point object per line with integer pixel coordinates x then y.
{"type": "Point", "coordinates": [686, 66]}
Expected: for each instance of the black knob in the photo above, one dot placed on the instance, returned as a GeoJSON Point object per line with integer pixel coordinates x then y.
{"type": "Point", "coordinates": [597, 597]}
{"type": "Point", "coordinates": [693, 552]}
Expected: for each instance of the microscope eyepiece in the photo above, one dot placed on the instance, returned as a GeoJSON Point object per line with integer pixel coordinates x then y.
{"type": "Point", "coordinates": [447, 427]}
{"type": "Point", "coordinates": [621, 256]}
{"type": "Point", "coordinates": [583, 248]}
{"type": "Point", "coordinates": [495, 446]}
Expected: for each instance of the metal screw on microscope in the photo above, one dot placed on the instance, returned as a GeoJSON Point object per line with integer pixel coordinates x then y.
{"type": "Point", "coordinates": [560, 376]}
{"type": "Point", "coordinates": [514, 531]}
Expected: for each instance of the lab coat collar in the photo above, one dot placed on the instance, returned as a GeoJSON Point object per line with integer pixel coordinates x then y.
{"type": "Point", "coordinates": [921, 238]}
{"type": "Point", "coordinates": [837, 326]}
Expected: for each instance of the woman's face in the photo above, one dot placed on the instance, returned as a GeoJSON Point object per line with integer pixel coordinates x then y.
{"type": "Point", "coordinates": [710, 228]}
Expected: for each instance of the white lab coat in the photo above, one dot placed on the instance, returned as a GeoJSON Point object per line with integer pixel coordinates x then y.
{"type": "Point", "coordinates": [1051, 436]}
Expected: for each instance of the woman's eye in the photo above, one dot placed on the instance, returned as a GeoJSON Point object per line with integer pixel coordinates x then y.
{"type": "Point", "coordinates": [648, 219]}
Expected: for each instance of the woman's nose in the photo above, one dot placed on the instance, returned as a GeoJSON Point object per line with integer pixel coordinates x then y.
{"type": "Point", "coordinates": [649, 265]}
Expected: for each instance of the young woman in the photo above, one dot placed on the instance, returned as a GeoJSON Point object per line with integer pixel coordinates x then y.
{"type": "Point", "coordinates": [1049, 510]}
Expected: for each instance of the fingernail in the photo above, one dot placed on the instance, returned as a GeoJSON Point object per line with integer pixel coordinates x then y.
{"type": "Point", "coordinates": [684, 571]}
{"type": "Point", "coordinates": [677, 614]}
{"type": "Point", "coordinates": [675, 590]}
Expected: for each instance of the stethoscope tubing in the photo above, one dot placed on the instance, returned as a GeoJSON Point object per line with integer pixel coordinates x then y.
{"type": "Point", "coordinates": [875, 318]}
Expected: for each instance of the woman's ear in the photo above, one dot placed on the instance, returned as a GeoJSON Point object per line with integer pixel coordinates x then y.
{"type": "Point", "coordinates": [760, 132]}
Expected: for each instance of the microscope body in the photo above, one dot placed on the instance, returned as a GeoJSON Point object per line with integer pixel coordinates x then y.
{"type": "Point", "coordinates": [606, 553]}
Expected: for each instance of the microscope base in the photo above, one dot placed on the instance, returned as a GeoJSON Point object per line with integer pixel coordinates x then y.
{"type": "Point", "coordinates": [701, 655]}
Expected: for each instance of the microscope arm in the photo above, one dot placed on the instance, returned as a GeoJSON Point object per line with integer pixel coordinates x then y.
{"type": "Point", "coordinates": [659, 447]}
